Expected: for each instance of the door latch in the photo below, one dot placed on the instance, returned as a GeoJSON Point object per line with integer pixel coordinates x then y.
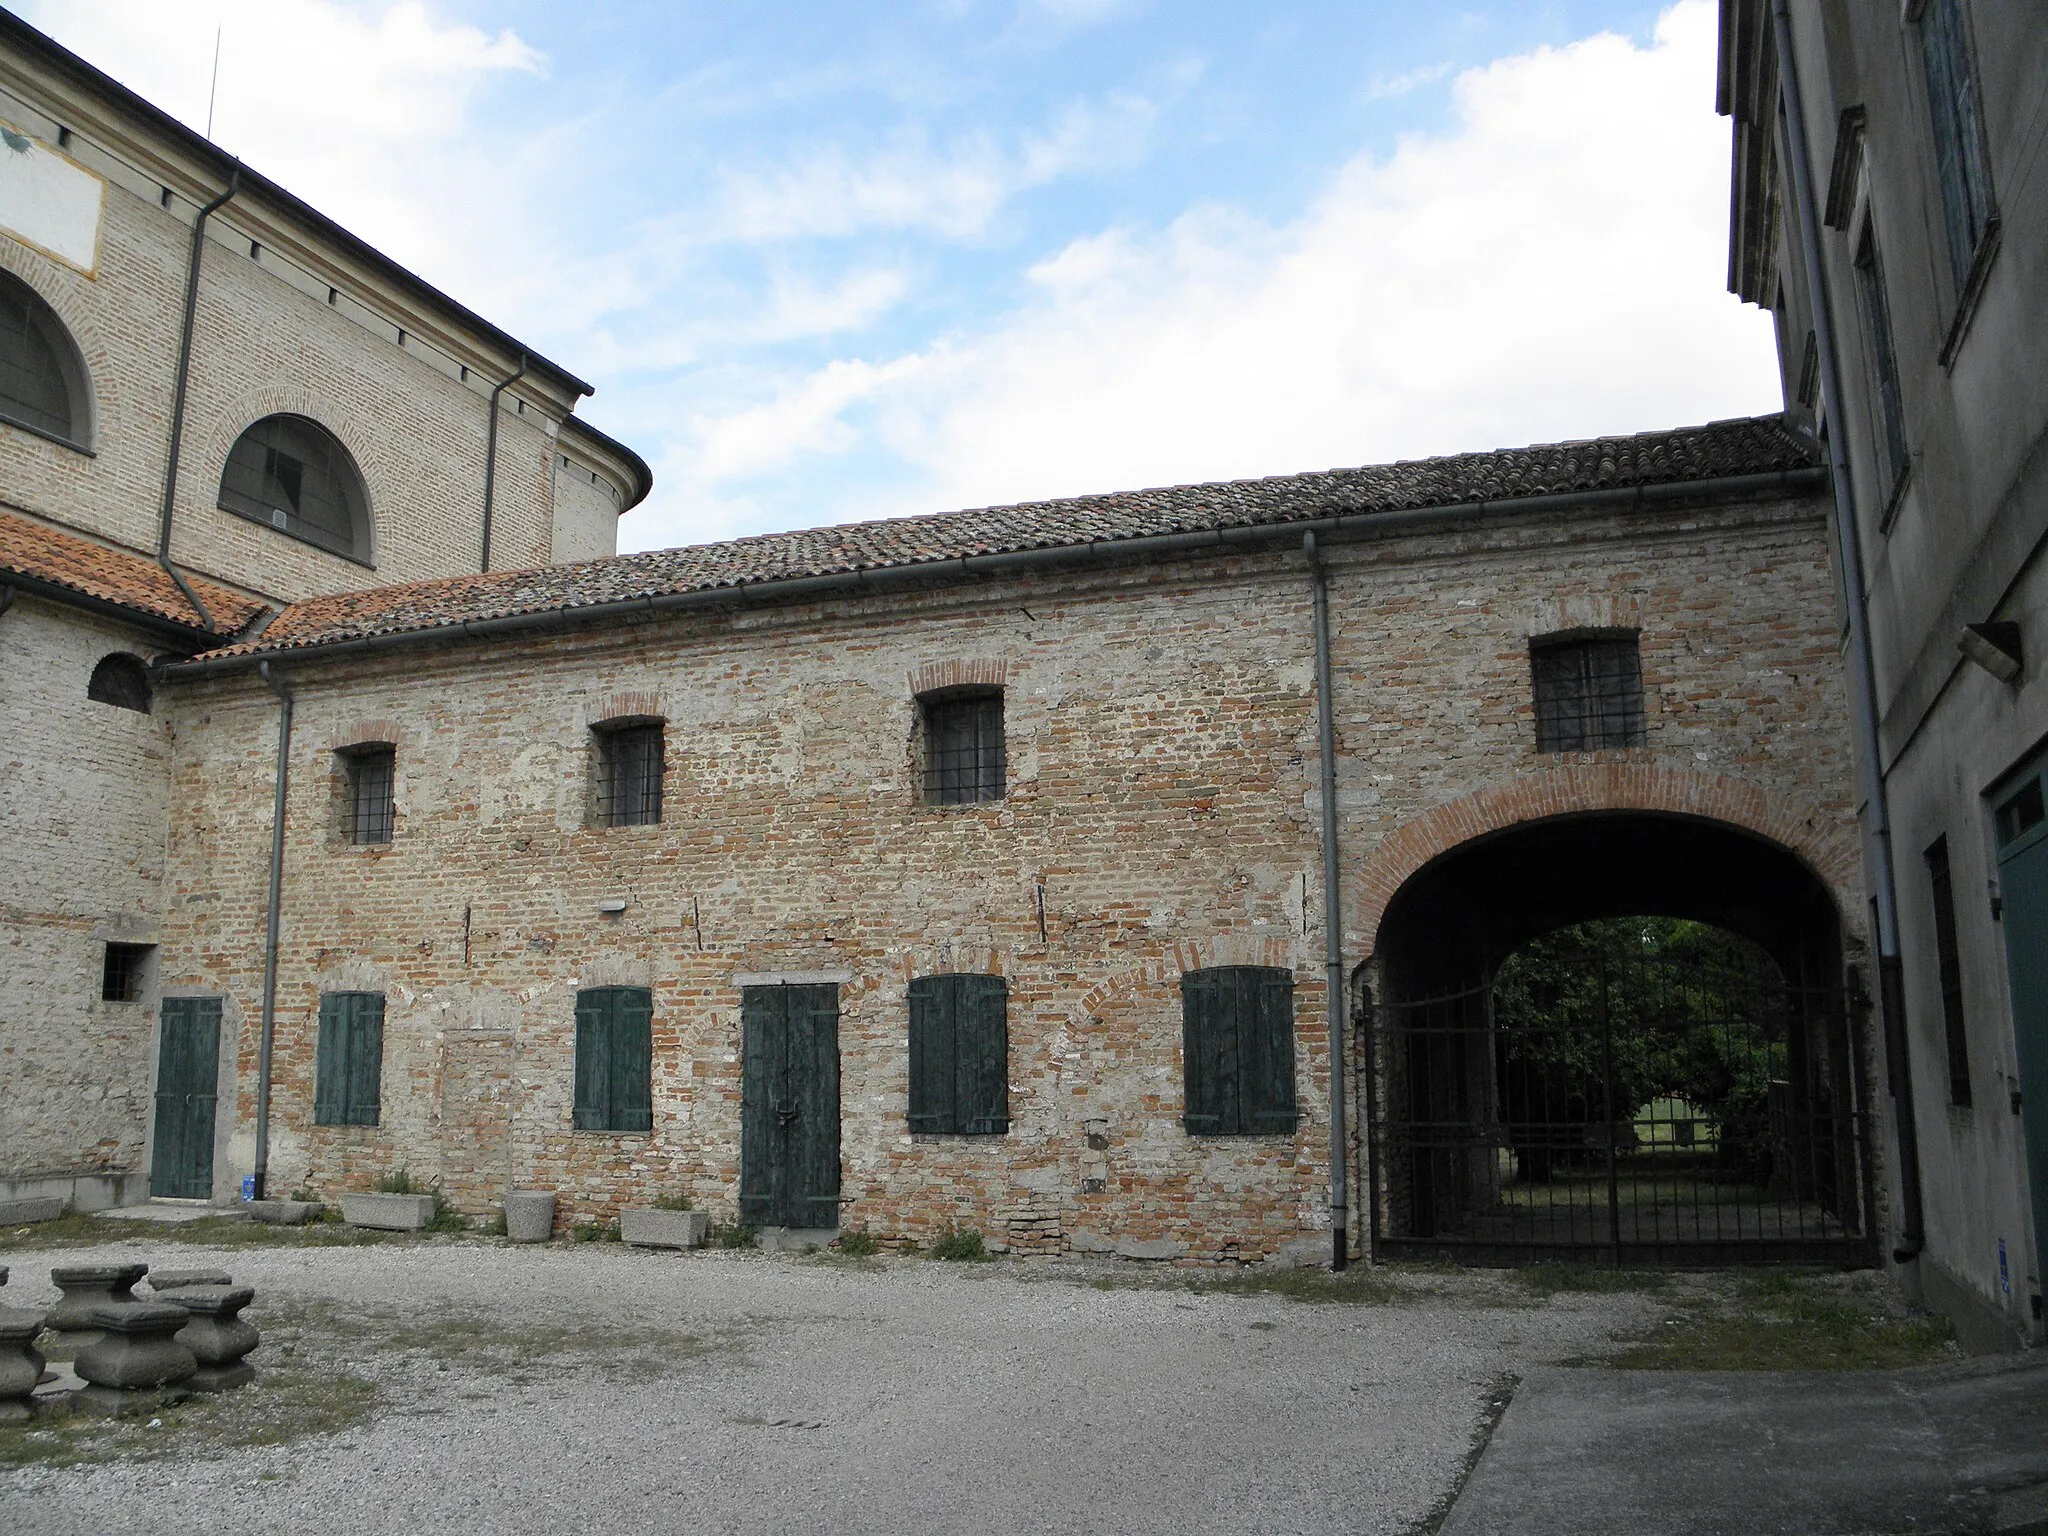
{"type": "Point", "coordinates": [786, 1113]}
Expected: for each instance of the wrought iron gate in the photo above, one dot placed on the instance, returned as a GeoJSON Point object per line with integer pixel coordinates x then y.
{"type": "Point", "coordinates": [1647, 1114]}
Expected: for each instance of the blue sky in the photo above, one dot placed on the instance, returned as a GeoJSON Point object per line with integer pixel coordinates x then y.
{"type": "Point", "coordinates": [829, 261]}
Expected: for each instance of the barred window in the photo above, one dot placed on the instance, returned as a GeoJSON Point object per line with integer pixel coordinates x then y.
{"type": "Point", "coordinates": [629, 773]}
{"type": "Point", "coordinates": [1589, 691]}
{"type": "Point", "coordinates": [368, 809]}
{"type": "Point", "coordinates": [42, 381]}
{"type": "Point", "coordinates": [963, 745]}
{"type": "Point", "coordinates": [1958, 122]}
{"type": "Point", "coordinates": [348, 1067]}
{"type": "Point", "coordinates": [124, 972]}
{"type": "Point", "coordinates": [1949, 967]}
{"type": "Point", "coordinates": [1875, 311]}
{"type": "Point", "coordinates": [292, 474]}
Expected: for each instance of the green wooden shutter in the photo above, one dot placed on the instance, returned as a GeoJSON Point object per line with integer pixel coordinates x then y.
{"type": "Point", "coordinates": [982, 1032]}
{"type": "Point", "coordinates": [1208, 1054]}
{"type": "Point", "coordinates": [330, 1063]}
{"type": "Point", "coordinates": [934, 1050]}
{"type": "Point", "coordinates": [593, 1058]}
{"type": "Point", "coordinates": [365, 1058]}
{"type": "Point", "coordinates": [763, 1047]}
{"type": "Point", "coordinates": [1266, 1047]}
{"type": "Point", "coordinates": [632, 1059]}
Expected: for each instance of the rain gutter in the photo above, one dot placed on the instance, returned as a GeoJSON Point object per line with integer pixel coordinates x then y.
{"type": "Point", "coordinates": [1333, 916]}
{"type": "Point", "coordinates": [270, 926]}
{"type": "Point", "coordinates": [491, 453]}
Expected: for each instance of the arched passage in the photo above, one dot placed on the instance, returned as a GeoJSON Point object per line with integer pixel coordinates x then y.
{"type": "Point", "coordinates": [1683, 1087]}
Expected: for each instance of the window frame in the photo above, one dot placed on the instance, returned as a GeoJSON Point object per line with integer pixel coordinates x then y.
{"type": "Point", "coordinates": [124, 971]}
{"type": "Point", "coordinates": [357, 761]}
{"type": "Point", "coordinates": [959, 1054]}
{"type": "Point", "coordinates": [1962, 154]}
{"type": "Point", "coordinates": [348, 1059]}
{"type": "Point", "coordinates": [1948, 970]}
{"type": "Point", "coordinates": [346, 474]}
{"type": "Point", "coordinates": [1887, 401]}
{"type": "Point", "coordinates": [941, 783]}
{"type": "Point", "coordinates": [1595, 727]}
{"type": "Point", "coordinates": [613, 1092]}
{"type": "Point", "coordinates": [610, 736]}
{"type": "Point", "coordinates": [1238, 1057]}
{"type": "Point", "coordinates": [49, 327]}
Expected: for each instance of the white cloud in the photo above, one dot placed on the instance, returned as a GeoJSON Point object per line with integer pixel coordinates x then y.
{"type": "Point", "coordinates": [1400, 85]}
{"type": "Point", "coordinates": [1551, 267]}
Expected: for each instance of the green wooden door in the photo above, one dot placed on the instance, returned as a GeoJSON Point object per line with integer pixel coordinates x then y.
{"type": "Point", "coordinates": [187, 1069]}
{"type": "Point", "coordinates": [789, 1106]}
{"type": "Point", "coordinates": [2020, 814]}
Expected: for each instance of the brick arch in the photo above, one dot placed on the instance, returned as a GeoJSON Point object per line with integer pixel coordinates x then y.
{"type": "Point", "coordinates": [1822, 839]}
{"type": "Point", "coordinates": [1282, 953]}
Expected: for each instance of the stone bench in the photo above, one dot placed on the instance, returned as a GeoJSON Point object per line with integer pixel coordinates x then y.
{"type": "Point", "coordinates": [161, 1280]}
{"type": "Point", "coordinates": [217, 1335]}
{"type": "Point", "coordinates": [137, 1362]}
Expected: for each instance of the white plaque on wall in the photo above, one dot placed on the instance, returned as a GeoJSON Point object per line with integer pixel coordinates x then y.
{"type": "Point", "coordinates": [50, 201]}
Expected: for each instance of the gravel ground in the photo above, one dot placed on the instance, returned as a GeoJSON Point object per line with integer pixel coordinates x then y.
{"type": "Point", "coordinates": [565, 1388]}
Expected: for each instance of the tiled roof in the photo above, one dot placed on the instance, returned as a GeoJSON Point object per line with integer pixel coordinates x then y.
{"type": "Point", "coordinates": [1747, 446]}
{"type": "Point", "coordinates": [115, 576]}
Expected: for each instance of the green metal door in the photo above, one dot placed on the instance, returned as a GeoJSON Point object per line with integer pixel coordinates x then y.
{"type": "Point", "coordinates": [789, 1106]}
{"type": "Point", "coordinates": [2020, 815]}
{"type": "Point", "coordinates": [187, 1069]}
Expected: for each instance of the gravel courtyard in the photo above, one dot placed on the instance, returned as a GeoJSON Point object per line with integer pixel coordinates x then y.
{"type": "Point", "coordinates": [473, 1386]}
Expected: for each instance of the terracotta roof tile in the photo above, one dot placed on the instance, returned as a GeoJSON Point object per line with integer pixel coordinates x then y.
{"type": "Point", "coordinates": [1746, 446]}
{"type": "Point", "coordinates": [116, 576]}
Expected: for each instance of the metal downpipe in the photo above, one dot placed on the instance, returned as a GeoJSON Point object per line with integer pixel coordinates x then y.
{"type": "Point", "coordinates": [270, 927]}
{"type": "Point", "coordinates": [491, 454]}
{"type": "Point", "coordinates": [1333, 917]}
{"type": "Point", "coordinates": [183, 376]}
{"type": "Point", "coordinates": [1863, 668]}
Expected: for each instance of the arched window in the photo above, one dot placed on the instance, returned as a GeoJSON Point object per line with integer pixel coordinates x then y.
{"type": "Point", "coordinates": [122, 681]}
{"type": "Point", "coordinates": [292, 474]}
{"type": "Point", "coordinates": [42, 379]}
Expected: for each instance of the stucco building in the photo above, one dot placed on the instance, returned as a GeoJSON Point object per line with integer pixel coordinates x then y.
{"type": "Point", "coordinates": [1888, 165]}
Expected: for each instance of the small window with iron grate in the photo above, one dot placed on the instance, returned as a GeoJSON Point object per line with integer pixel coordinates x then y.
{"type": "Point", "coordinates": [964, 761]}
{"type": "Point", "coordinates": [124, 972]}
{"type": "Point", "coordinates": [629, 772]}
{"type": "Point", "coordinates": [1589, 690]}
{"type": "Point", "coordinates": [368, 802]}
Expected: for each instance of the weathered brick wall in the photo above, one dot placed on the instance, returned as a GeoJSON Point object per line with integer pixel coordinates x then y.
{"type": "Point", "coordinates": [1162, 792]}
{"type": "Point", "coordinates": [260, 345]}
{"type": "Point", "coordinates": [84, 794]}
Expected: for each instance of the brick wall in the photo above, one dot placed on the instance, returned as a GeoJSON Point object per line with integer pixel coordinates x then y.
{"type": "Point", "coordinates": [1161, 798]}
{"type": "Point", "coordinates": [84, 794]}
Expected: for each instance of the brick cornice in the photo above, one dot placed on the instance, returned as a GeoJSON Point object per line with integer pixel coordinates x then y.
{"type": "Point", "coordinates": [1812, 834]}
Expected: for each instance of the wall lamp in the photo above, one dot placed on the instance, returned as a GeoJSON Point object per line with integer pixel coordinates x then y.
{"type": "Point", "coordinates": [612, 906]}
{"type": "Point", "coordinates": [1995, 647]}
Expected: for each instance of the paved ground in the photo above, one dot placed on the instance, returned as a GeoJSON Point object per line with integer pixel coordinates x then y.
{"type": "Point", "coordinates": [1953, 1448]}
{"type": "Point", "coordinates": [598, 1388]}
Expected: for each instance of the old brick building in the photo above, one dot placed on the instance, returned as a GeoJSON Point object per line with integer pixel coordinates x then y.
{"type": "Point", "coordinates": [214, 402]}
{"type": "Point", "coordinates": [970, 870]}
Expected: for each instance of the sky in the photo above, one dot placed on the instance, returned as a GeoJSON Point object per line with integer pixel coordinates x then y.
{"type": "Point", "coordinates": [830, 261]}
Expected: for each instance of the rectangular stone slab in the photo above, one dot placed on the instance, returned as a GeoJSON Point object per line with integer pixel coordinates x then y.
{"type": "Point", "coordinates": [388, 1213]}
{"type": "Point", "coordinates": [19, 1213]}
{"type": "Point", "coordinates": [647, 1227]}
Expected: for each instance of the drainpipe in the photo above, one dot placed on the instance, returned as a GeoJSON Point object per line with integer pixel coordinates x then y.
{"type": "Point", "coordinates": [1333, 918]}
{"type": "Point", "coordinates": [163, 537]}
{"type": "Point", "coordinates": [284, 743]}
{"type": "Point", "coordinates": [491, 454]}
{"type": "Point", "coordinates": [1891, 989]}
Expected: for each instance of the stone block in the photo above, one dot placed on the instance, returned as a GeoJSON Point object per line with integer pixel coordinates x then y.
{"type": "Point", "coordinates": [1154, 1249]}
{"type": "Point", "coordinates": [388, 1213]}
{"type": "Point", "coordinates": [21, 1367]}
{"type": "Point", "coordinates": [218, 1335]}
{"type": "Point", "coordinates": [530, 1215]}
{"type": "Point", "coordinates": [1082, 1240]}
{"type": "Point", "coordinates": [87, 1287]}
{"type": "Point", "coordinates": [32, 1208]}
{"type": "Point", "coordinates": [180, 1279]}
{"type": "Point", "coordinates": [648, 1227]}
{"type": "Point", "coordinates": [284, 1213]}
{"type": "Point", "coordinates": [138, 1347]}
